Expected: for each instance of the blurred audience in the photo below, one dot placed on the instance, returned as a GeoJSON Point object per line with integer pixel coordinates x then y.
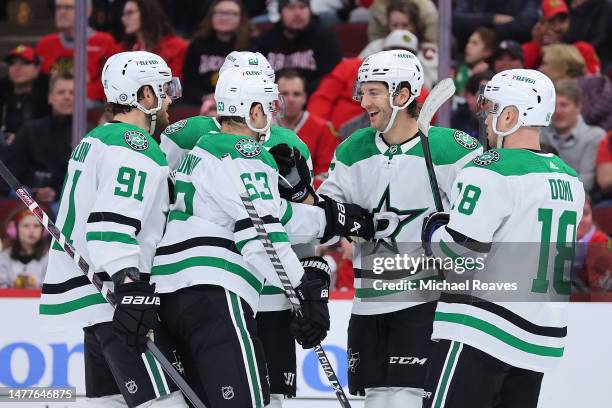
{"type": "Point", "coordinates": [148, 29]}
{"type": "Point", "coordinates": [317, 133]}
{"type": "Point", "coordinates": [186, 15]}
{"type": "Point", "coordinates": [510, 20]}
{"type": "Point", "coordinates": [575, 141]}
{"type": "Point", "coordinates": [590, 22]}
{"type": "Point", "coordinates": [106, 16]}
{"type": "Point", "coordinates": [225, 28]}
{"type": "Point", "coordinates": [603, 168]}
{"type": "Point", "coordinates": [562, 61]}
{"type": "Point", "coordinates": [57, 50]}
{"type": "Point", "coordinates": [23, 264]}
{"type": "Point", "coordinates": [593, 256]}
{"type": "Point", "coordinates": [406, 40]}
{"type": "Point", "coordinates": [478, 52]}
{"type": "Point", "coordinates": [509, 55]}
{"type": "Point", "coordinates": [389, 15]}
{"type": "Point", "coordinates": [464, 115]}
{"type": "Point", "coordinates": [39, 155]}
{"type": "Point", "coordinates": [299, 41]}
{"type": "Point", "coordinates": [23, 93]}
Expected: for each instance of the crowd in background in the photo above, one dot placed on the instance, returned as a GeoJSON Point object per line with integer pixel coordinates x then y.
{"type": "Point", "coordinates": [314, 45]}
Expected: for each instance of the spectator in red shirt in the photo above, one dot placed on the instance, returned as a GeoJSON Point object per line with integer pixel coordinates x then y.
{"type": "Point", "coordinates": [148, 29]}
{"type": "Point", "coordinates": [603, 166]}
{"type": "Point", "coordinates": [593, 257]}
{"type": "Point", "coordinates": [56, 51]}
{"type": "Point", "coordinates": [317, 133]}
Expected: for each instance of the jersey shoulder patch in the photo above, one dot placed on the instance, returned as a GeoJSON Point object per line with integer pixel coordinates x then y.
{"type": "Point", "coordinates": [186, 132]}
{"type": "Point", "coordinates": [450, 145]}
{"type": "Point", "coordinates": [360, 145]}
{"type": "Point", "coordinates": [130, 137]}
{"type": "Point", "coordinates": [520, 162]}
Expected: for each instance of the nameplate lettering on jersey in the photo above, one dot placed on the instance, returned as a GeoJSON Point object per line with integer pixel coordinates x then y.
{"type": "Point", "coordinates": [560, 190]}
{"type": "Point", "coordinates": [188, 164]}
{"type": "Point", "coordinates": [80, 152]}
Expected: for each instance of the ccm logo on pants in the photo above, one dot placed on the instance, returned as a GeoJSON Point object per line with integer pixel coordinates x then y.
{"type": "Point", "coordinates": [407, 360]}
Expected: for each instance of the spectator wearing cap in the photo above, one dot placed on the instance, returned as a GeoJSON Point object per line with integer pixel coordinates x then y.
{"type": "Point", "coordinates": [509, 55]}
{"type": "Point", "coordinates": [511, 20]}
{"type": "Point", "coordinates": [299, 42]}
{"type": "Point", "coordinates": [463, 115]}
{"type": "Point", "coordinates": [478, 52]}
{"type": "Point", "coordinates": [57, 50]}
{"type": "Point", "coordinates": [575, 141]}
{"type": "Point", "coordinates": [317, 133]}
{"type": "Point", "coordinates": [563, 61]}
{"type": "Point", "coordinates": [389, 15]}
{"type": "Point", "coordinates": [590, 22]}
{"type": "Point", "coordinates": [225, 28]}
{"type": "Point", "coordinates": [148, 29]}
{"type": "Point", "coordinates": [23, 93]}
{"type": "Point", "coordinates": [406, 40]}
{"type": "Point", "coordinates": [39, 155]}
{"type": "Point", "coordinates": [603, 168]}
{"type": "Point", "coordinates": [551, 29]}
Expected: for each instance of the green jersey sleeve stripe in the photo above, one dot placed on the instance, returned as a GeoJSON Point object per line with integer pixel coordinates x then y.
{"type": "Point", "coordinates": [242, 243]}
{"type": "Point", "coordinates": [178, 215]}
{"type": "Point", "coordinates": [272, 290]}
{"type": "Point", "coordinates": [274, 237]}
{"type": "Point", "coordinates": [500, 334]}
{"type": "Point", "coordinates": [208, 261]}
{"type": "Point", "coordinates": [288, 214]}
{"type": "Point", "coordinates": [71, 306]}
{"type": "Point", "coordinates": [110, 237]}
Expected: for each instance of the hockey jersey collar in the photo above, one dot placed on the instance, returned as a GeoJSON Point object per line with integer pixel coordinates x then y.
{"type": "Point", "coordinates": [385, 147]}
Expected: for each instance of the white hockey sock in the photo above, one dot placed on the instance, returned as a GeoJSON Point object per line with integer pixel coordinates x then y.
{"type": "Point", "coordinates": [404, 397]}
{"type": "Point", "coordinates": [276, 401]}
{"type": "Point", "coordinates": [376, 397]}
{"type": "Point", "coordinates": [172, 400]}
{"type": "Point", "coordinates": [110, 401]}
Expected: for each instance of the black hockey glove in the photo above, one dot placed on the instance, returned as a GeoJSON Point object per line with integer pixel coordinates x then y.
{"type": "Point", "coordinates": [431, 223]}
{"type": "Point", "coordinates": [135, 312]}
{"type": "Point", "coordinates": [295, 183]}
{"type": "Point", "coordinates": [310, 328]}
{"type": "Point", "coordinates": [346, 220]}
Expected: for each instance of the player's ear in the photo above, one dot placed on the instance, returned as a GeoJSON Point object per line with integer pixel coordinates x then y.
{"type": "Point", "coordinates": [256, 111]}
{"type": "Point", "coordinates": [149, 99]}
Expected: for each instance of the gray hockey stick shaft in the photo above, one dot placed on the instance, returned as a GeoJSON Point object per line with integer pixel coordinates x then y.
{"type": "Point", "coordinates": [232, 171]}
{"type": "Point", "coordinates": [84, 267]}
{"type": "Point", "coordinates": [436, 98]}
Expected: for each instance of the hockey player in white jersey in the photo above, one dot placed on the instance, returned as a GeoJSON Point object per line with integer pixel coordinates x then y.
{"type": "Point", "coordinates": [210, 263]}
{"type": "Point", "coordinates": [492, 349]}
{"type": "Point", "coordinates": [381, 169]}
{"type": "Point", "coordinates": [113, 210]}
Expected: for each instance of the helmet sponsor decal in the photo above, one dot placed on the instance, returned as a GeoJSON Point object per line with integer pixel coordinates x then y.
{"type": "Point", "coordinates": [136, 140]}
{"type": "Point", "coordinates": [175, 127]}
{"type": "Point", "coordinates": [465, 140]}
{"type": "Point", "coordinates": [248, 147]}
{"type": "Point", "coordinates": [486, 158]}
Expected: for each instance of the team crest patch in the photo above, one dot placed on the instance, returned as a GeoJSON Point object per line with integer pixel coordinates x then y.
{"type": "Point", "coordinates": [247, 147]}
{"type": "Point", "coordinates": [486, 158]}
{"type": "Point", "coordinates": [465, 140]}
{"type": "Point", "coordinates": [136, 140]}
{"type": "Point", "coordinates": [175, 127]}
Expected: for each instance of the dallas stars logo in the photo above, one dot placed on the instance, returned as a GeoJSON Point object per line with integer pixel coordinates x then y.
{"type": "Point", "coordinates": [404, 216]}
{"type": "Point", "coordinates": [486, 158]}
{"type": "Point", "coordinates": [248, 148]}
{"type": "Point", "coordinates": [136, 140]}
{"type": "Point", "coordinates": [465, 140]}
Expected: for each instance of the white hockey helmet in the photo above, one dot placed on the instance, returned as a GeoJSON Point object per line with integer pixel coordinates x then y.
{"type": "Point", "coordinates": [126, 72]}
{"type": "Point", "coordinates": [239, 88]}
{"type": "Point", "coordinates": [248, 59]}
{"type": "Point", "coordinates": [392, 67]}
{"type": "Point", "coordinates": [531, 92]}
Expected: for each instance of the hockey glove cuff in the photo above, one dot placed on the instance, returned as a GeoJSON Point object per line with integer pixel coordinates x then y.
{"type": "Point", "coordinates": [135, 313]}
{"type": "Point", "coordinates": [295, 181]}
{"type": "Point", "coordinates": [346, 220]}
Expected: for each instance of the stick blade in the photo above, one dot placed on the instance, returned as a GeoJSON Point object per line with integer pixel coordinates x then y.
{"type": "Point", "coordinates": [444, 90]}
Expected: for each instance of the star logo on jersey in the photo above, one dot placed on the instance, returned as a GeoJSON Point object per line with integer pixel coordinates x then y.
{"type": "Point", "coordinates": [465, 140]}
{"type": "Point", "coordinates": [486, 158]}
{"type": "Point", "coordinates": [136, 140]}
{"type": "Point", "coordinates": [248, 147]}
{"type": "Point", "coordinates": [404, 217]}
{"type": "Point", "coordinates": [175, 127]}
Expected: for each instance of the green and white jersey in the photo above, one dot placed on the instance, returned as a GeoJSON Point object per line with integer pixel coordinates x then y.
{"type": "Point", "coordinates": [180, 137]}
{"type": "Point", "coordinates": [209, 237]}
{"type": "Point", "coordinates": [527, 205]}
{"type": "Point", "coordinates": [393, 178]}
{"type": "Point", "coordinates": [113, 209]}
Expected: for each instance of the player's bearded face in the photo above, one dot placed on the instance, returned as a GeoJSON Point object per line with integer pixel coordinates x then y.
{"type": "Point", "coordinates": [375, 100]}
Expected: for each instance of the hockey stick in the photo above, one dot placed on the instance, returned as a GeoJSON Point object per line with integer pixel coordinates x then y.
{"type": "Point", "coordinates": [230, 167]}
{"type": "Point", "coordinates": [103, 288]}
{"type": "Point", "coordinates": [436, 98]}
